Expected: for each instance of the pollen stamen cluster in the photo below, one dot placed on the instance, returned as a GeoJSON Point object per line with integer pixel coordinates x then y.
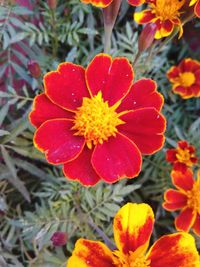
{"type": "Point", "coordinates": [194, 197]}
{"type": "Point", "coordinates": [168, 9]}
{"type": "Point", "coordinates": [131, 260]}
{"type": "Point", "coordinates": [183, 156]}
{"type": "Point", "coordinates": [96, 121]}
{"type": "Point", "coordinates": [187, 79]}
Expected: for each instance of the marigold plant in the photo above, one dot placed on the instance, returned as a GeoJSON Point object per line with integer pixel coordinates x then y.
{"type": "Point", "coordinates": [96, 121]}
{"type": "Point", "coordinates": [185, 78]}
{"type": "Point", "coordinates": [186, 198]}
{"type": "Point", "coordinates": [133, 225]}
{"type": "Point", "coordinates": [182, 157]}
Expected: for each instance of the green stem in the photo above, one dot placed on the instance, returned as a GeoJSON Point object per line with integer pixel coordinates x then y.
{"type": "Point", "coordinates": [107, 38]}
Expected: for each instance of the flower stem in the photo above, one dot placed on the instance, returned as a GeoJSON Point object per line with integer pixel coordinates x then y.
{"type": "Point", "coordinates": [107, 38]}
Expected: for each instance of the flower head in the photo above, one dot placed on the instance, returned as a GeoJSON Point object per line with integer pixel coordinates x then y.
{"type": "Point", "coordinates": [196, 4]}
{"type": "Point", "coordinates": [133, 225]}
{"type": "Point", "coordinates": [98, 3]}
{"type": "Point", "coordinates": [164, 13]}
{"type": "Point", "coordinates": [186, 78]}
{"type": "Point", "coordinates": [96, 122]}
{"type": "Point", "coordinates": [59, 239]}
{"type": "Point", "coordinates": [182, 157]}
{"type": "Point", "coordinates": [186, 199]}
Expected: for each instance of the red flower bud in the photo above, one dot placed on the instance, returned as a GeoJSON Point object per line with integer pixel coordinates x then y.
{"type": "Point", "coordinates": [146, 37]}
{"type": "Point", "coordinates": [52, 4]}
{"type": "Point", "coordinates": [34, 68]}
{"type": "Point", "coordinates": [59, 239]}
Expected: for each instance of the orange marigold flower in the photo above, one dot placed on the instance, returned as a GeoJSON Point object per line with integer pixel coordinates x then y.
{"type": "Point", "coordinates": [96, 122]}
{"type": "Point", "coordinates": [186, 199]}
{"type": "Point", "coordinates": [186, 78]}
{"type": "Point", "coordinates": [182, 157]}
{"type": "Point", "coordinates": [196, 7]}
{"type": "Point", "coordinates": [165, 14]}
{"type": "Point", "coordinates": [133, 225]}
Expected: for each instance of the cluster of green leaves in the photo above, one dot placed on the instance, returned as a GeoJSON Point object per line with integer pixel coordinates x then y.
{"type": "Point", "coordinates": [35, 199]}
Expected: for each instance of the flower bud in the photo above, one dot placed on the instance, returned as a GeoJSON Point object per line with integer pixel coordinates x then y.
{"type": "Point", "coordinates": [34, 69]}
{"type": "Point", "coordinates": [146, 37]}
{"type": "Point", "coordinates": [59, 239]}
{"type": "Point", "coordinates": [52, 4]}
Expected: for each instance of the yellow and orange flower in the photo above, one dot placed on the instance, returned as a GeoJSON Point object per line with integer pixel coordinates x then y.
{"type": "Point", "coordinates": [96, 122]}
{"type": "Point", "coordinates": [165, 14]}
{"type": "Point", "coordinates": [105, 3]}
{"type": "Point", "coordinates": [196, 7]}
{"type": "Point", "coordinates": [186, 199]}
{"type": "Point", "coordinates": [133, 225]}
{"type": "Point", "coordinates": [186, 78]}
{"type": "Point", "coordinates": [182, 157]}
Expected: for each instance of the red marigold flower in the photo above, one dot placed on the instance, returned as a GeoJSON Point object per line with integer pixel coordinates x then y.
{"type": "Point", "coordinates": [164, 13]}
{"type": "Point", "coordinates": [133, 225]}
{"type": "Point", "coordinates": [186, 199]}
{"type": "Point", "coordinates": [96, 121]}
{"type": "Point", "coordinates": [182, 157]}
{"type": "Point", "coordinates": [196, 7]}
{"type": "Point", "coordinates": [186, 78]}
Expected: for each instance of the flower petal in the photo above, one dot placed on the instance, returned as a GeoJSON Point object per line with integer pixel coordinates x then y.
{"type": "Point", "coordinates": [173, 74]}
{"type": "Point", "coordinates": [172, 196]}
{"type": "Point", "coordinates": [66, 87]}
{"type": "Point", "coordinates": [143, 17]}
{"type": "Point", "coordinates": [136, 2]}
{"type": "Point", "coordinates": [196, 226]}
{"type": "Point", "coordinates": [90, 254]}
{"type": "Point", "coordinates": [171, 155]}
{"type": "Point", "coordinates": [177, 250]}
{"type": "Point", "coordinates": [98, 3]}
{"type": "Point", "coordinates": [142, 94]}
{"type": "Point", "coordinates": [81, 169]}
{"type": "Point", "coordinates": [117, 158]}
{"type": "Point", "coordinates": [55, 138]}
{"type": "Point", "coordinates": [182, 180]}
{"type": "Point", "coordinates": [185, 220]}
{"type": "Point", "coordinates": [165, 29]}
{"type": "Point", "coordinates": [172, 206]}
{"type": "Point", "coordinates": [44, 109]}
{"type": "Point", "coordinates": [112, 77]}
{"type": "Point", "coordinates": [133, 225]}
{"type": "Point", "coordinates": [197, 9]}
{"type": "Point", "coordinates": [145, 127]}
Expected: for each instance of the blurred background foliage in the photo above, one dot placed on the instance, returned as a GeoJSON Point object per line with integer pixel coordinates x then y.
{"type": "Point", "coordinates": [35, 199]}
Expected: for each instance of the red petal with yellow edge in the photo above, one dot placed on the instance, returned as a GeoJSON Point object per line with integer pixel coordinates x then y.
{"type": "Point", "coordinates": [98, 3]}
{"type": "Point", "coordinates": [55, 138]}
{"type": "Point", "coordinates": [189, 65]}
{"type": "Point", "coordinates": [81, 169]}
{"type": "Point", "coordinates": [173, 73]}
{"type": "Point", "coordinates": [174, 196]}
{"type": "Point", "coordinates": [143, 17]}
{"type": "Point", "coordinates": [177, 250]}
{"type": "Point", "coordinates": [185, 220]}
{"type": "Point", "coordinates": [180, 90]}
{"type": "Point", "coordinates": [196, 226]}
{"type": "Point", "coordinates": [117, 158]}
{"type": "Point", "coordinates": [90, 254]}
{"type": "Point", "coordinates": [66, 87]}
{"type": "Point", "coordinates": [112, 78]}
{"type": "Point", "coordinates": [182, 180]}
{"type": "Point", "coordinates": [173, 206]}
{"type": "Point", "coordinates": [133, 225]}
{"type": "Point", "coordinates": [142, 94]}
{"type": "Point", "coordinates": [136, 2]}
{"type": "Point", "coordinates": [166, 28]}
{"type": "Point", "coordinates": [145, 128]}
{"type": "Point", "coordinates": [44, 109]}
{"type": "Point", "coordinates": [171, 155]}
{"type": "Point", "coordinates": [197, 9]}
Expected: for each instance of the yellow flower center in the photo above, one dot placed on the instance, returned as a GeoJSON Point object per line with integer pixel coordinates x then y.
{"type": "Point", "coordinates": [194, 197]}
{"type": "Point", "coordinates": [187, 79]}
{"type": "Point", "coordinates": [131, 260]}
{"type": "Point", "coordinates": [183, 156]}
{"type": "Point", "coordinates": [167, 9]}
{"type": "Point", "coordinates": [96, 121]}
